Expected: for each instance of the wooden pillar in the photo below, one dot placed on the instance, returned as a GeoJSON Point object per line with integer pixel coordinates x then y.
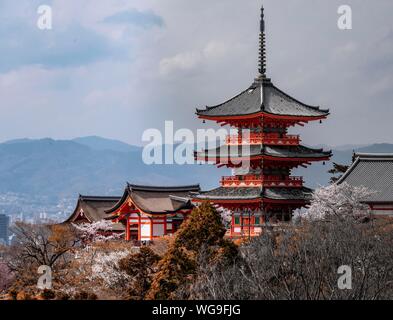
{"type": "Point", "coordinates": [128, 236]}
{"type": "Point", "coordinates": [139, 227]}
{"type": "Point", "coordinates": [232, 223]}
{"type": "Point", "coordinates": [165, 225]}
{"type": "Point", "coordinates": [151, 228]}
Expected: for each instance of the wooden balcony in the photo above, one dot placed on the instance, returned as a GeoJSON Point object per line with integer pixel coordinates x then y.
{"type": "Point", "coordinates": [259, 181]}
{"type": "Point", "coordinates": [263, 138]}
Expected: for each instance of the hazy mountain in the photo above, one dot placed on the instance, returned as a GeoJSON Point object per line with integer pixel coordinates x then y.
{"type": "Point", "coordinates": [53, 169]}
{"type": "Point", "coordinates": [92, 165]}
{"type": "Point", "coordinates": [102, 144]}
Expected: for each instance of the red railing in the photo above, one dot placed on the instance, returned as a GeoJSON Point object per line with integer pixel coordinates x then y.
{"type": "Point", "coordinates": [264, 138]}
{"type": "Point", "coordinates": [258, 181]}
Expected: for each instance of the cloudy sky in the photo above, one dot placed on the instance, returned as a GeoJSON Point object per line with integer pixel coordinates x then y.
{"type": "Point", "coordinates": [117, 67]}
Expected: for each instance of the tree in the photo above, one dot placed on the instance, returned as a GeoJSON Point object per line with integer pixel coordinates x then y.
{"type": "Point", "coordinates": [99, 231]}
{"type": "Point", "coordinates": [140, 267]}
{"type": "Point", "coordinates": [94, 268]}
{"type": "Point", "coordinates": [202, 234]}
{"type": "Point", "coordinates": [303, 263]}
{"type": "Point", "coordinates": [337, 171]}
{"type": "Point", "coordinates": [341, 200]}
{"type": "Point", "coordinates": [38, 245]}
{"type": "Point", "coordinates": [6, 277]}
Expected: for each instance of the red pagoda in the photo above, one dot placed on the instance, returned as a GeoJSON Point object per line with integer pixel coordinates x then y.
{"type": "Point", "coordinates": [266, 193]}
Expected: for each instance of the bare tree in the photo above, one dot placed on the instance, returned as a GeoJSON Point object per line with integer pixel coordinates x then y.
{"type": "Point", "coordinates": [303, 264]}
{"type": "Point", "coordinates": [37, 245]}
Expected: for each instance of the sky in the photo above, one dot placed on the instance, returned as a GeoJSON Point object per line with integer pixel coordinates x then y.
{"type": "Point", "coordinates": [115, 68]}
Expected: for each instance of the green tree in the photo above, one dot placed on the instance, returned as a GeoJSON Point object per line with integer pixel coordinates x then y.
{"type": "Point", "coordinates": [337, 171]}
{"type": "Point", "coordinates": [200, 238]}
{"type": "Point", "coordinates": [140, 267]}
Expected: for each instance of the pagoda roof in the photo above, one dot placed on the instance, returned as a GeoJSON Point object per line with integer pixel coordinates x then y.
{"type": "Point", "coordinates": [245, 193]}
{"type": "Point", "coordinates": [233, 152]}
{"type": "Point", "coordinates": [93, 208]}
{"type": "Point", "coordinates": [275, 102]}
{"type": "Point", "coordinates": [157, 200]}
{"type": "Point", "coordinates": [373, 171]}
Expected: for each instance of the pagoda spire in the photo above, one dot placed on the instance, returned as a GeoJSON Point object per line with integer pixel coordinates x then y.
{"type": "Point", "coordinates": [262, 46]}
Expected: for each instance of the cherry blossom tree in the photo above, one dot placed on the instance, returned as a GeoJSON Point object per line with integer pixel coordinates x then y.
{"type": "Point", "coordinates": [100, 231]}
{"type": "Point", "coordinates": [342, 200]}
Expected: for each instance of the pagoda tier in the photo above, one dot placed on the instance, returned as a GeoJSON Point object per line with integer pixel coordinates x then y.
{"type": "Point", "coordinates": [254, 208]}
{"type": "Point", "coordinates": [261, 155]}
{"type": "Point", "coordinates": [235, 195]}
{"type": "Point", "coordinates": [262, 104]}
{"type": "Point", "coordinates": [262, 181]}
{"type": "Point", "coordinates": [278, 139]}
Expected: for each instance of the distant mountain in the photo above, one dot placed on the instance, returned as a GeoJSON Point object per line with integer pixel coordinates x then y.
{"type": "Point", "coordinates": [61, 168]}
{"type": "Point", "coordinates": [102, 144]}
{"type": "Point", "coordinates": [56, 169]}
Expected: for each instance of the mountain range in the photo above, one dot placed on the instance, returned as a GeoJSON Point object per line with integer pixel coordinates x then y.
{"type": "Point", "coordinates": [56, 169]}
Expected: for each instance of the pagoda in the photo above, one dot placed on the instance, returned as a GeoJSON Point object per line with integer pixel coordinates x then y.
{"type": "Point", "coordinates": [266, 193]}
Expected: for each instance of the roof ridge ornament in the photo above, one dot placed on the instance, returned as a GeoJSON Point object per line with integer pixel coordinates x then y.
{"type": "Point", "coordinates": [262, 46]}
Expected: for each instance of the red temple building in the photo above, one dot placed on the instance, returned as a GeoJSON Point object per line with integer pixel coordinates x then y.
{"type": "Point", "coordinates": [149, 212]}
{"type": "Point", "coordinates": [262, 114]}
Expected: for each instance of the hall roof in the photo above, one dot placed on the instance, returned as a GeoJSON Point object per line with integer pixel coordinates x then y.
{"type": "Point", "coordinates": [157, 200]}
{"type": "Point", "coordinates": [373, 171]}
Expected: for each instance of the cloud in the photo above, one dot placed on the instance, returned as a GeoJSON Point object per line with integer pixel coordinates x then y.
{"type": "Point", "coordinates": [145, 19]}
{"type": "Point", "coordinates": [190, 61]}
{"type": "Point", "coordinates": [56, 48]}
{"type": "Point", "coordinates": [155, 60]}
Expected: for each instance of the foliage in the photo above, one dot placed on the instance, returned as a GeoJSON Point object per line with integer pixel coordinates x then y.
{"type": "Point", "coordinates": [341, 200]}
{"type": "Point", "coordinates": [95, 269]}
{"type": "Point", "coordinates": [202, 233]}
{"type": "Point", "coordinates": [303, 264]}
{"type": "Point", "coordinates": [99, 231]}
{"type": "Point", "coordinates": [6, 277]}
{"type": "Point", "coordinates": [337, 171]}
{"type": "Point", "coordinates": [41, 244]}
{"type": "Point", "coordinates": [37, 245]}
{"type": "Point", "coordinates": [140, 267]}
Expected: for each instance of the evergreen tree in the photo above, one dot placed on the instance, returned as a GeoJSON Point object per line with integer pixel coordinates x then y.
{"type": "Point", "coordinates": [140, 267]}
{"type": "Point", "coordinates": [337, 172]}
{"type": "Point", "coordinates": [201, 235]}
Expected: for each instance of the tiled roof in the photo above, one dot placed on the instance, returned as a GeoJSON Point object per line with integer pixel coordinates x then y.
{"type": "Point", "coordinates": [237, 193]}
{"type": "Point", "coordinates": [288, 193]}
{"type": "Point", "coordinates": [275, 102]}
{"type": "Point", "coordinates": [240, 193]}
{"type": "Point", "coordinates": [94, 209]}
{"type": "Point", "coordinates": [373, 171]}
{"type": "Point", "coordinates": [156, 200]}
{"type": "Point", "coordinates": [226, 152]}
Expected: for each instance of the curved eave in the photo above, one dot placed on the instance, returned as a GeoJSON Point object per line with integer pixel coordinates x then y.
{"type": "Point", "coordinates": [229, 201]}
{"type": "Point", "coordinates": [258, 115]}
{"type": "Point", "coordinates": [262, 157]}
{"type": "Point", "coordinates": [252, 201]}
{"type": "Point", "coordinates": [141, 209]}
{"type": "Point", "coordinates": [118, 205]}
{"type": "Point", "coordinates": [76, 212]}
